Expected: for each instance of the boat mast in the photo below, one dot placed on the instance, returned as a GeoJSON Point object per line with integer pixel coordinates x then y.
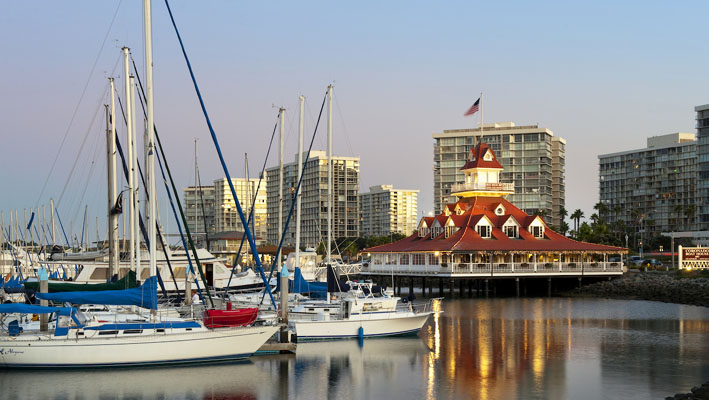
{"type": "Point", "coordinates": [281, 115]}
{"type": "Point", "coordinates": [248, 199]}
{"type": "Point", "coordinates": [51, 211]}
{"type": "Point", "coordinates": [329, 175]}
{"type": "Point", "coordinates": [300, 169]}
{"type": "Point", "coordinates": [136, 179]}
{"type": "Point", "coordinates": [150, 165]}
{"type": "Point", "coordinates": [113, 253]}
{"type": "Point", "coordinates": [129, 131]}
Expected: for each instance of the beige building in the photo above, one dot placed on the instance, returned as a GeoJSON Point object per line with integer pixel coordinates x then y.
{"type": "Point", "coordinates": [314, 202]}
{"type": "Point", "coordinates": [385, 210]}
{"type": "Point", "coordinates": [532, 157]}
{"type": "Point", "coordinates": [226, 215]}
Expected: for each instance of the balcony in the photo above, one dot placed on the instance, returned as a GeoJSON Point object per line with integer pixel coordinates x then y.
{"type": "Point", "coordinates": [497, 187]}
{"type": "Point", "coordinates": [502, 269]}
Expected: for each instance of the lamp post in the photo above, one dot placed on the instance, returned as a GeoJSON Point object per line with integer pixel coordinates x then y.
{"type": "Point", "coordinates": [627, 257]}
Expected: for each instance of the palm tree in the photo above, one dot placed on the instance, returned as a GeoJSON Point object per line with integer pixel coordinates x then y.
{"type": "Point", "coordinates": [602, 209]}
{"type": "Point", "coordinates": [576, 216]}
{"type": "Point", "coordinates": [678, 209]}
{"type": "Point", "coordinates": [689, 213]}
{"type": "Point", "coordinates": [563, 213]}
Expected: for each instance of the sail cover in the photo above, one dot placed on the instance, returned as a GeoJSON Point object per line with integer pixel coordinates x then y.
{"type": "Point", "coordinates": [145, 296]}
{"type": "Point", "coordinates": [126, 282]}
{"type": "Point", "coordinates": [300, 285]}
{"type": "Point", "coordinates": [21, 308]}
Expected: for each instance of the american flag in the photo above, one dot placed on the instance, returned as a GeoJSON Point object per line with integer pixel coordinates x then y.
{"type": "Point", "coordinates": [475, 107]}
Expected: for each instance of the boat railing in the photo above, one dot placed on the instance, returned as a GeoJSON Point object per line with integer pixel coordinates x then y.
{"type": "Point", "coordinates": [432, 305]}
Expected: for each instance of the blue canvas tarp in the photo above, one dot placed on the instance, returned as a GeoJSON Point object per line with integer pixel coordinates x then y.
{"type": "Point", "coordinates": [300, 285]}
{"type": "Point", "coordinates": [145, 296]}
{"type": "Point", "coordinates": [21, 308]}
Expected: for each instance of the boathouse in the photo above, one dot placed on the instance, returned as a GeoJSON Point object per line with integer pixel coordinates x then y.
{"type": "Point", "coordinates": [483, 235]}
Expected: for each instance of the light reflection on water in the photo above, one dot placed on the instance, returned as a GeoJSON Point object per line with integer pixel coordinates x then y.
{"type": "Point", "coordinates": [478, 348]}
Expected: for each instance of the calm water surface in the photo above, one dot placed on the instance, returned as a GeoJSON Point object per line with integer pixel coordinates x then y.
{"type": "Point", "coordinates": [477, 349]}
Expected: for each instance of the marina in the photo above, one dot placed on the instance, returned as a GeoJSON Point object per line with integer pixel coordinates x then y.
{"type": "Point", "coordinates": [143, 255]}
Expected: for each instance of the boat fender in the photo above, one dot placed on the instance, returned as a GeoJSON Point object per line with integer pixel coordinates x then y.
{"type": "Point", "coordinates": [360, 333]}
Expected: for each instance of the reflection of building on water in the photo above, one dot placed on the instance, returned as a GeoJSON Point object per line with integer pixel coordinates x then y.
{"type": "Point", "coordinates": [489, 357]}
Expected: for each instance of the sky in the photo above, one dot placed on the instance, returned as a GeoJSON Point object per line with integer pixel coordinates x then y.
{"type": "Point", "coordinates": [603, 75]}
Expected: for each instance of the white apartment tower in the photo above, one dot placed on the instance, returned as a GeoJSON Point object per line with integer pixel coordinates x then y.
{"type": "Point", "coordinates": [386, 210]}
{"type": "Point", "coordinates": [226, 215]}
{"type": "Point", "coordinates": [314, 203]}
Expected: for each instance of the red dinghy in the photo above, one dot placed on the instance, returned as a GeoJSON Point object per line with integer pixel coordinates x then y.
{"type": "Point", "coordinates": [224, 318]}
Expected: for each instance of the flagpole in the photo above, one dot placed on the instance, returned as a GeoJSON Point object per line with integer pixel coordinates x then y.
{"type": "Point", "coordinates": [481, 114]}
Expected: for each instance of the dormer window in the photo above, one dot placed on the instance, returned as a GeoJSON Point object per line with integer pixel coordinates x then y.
{"type": "Point", "coordinates": [500, 210]}
{"type": "Point", "coordinates": [423, 231]}
{"type": "Point", "coordinates": [487, 156]}
{"type": "Point", "coordinates": [451, 230]}
{"type": "Point", "coordinates": [511, 231]}
{"type": "Point", "coordinates": [538, 231]}
{"type": "Point", "coordinates": [436, 231]}
{"type": "Point", "coordinates": [484, 231]}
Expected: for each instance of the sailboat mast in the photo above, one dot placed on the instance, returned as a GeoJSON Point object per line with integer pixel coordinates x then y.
{"type": "Point", "coordinates": [134, 175]}
{"type": "Point", "coordinates": [150, 166]}
{"type": "Point", "coordinates": [112, 187]}
{"type": "Point", "coordinates": [248, 200]}
{"type": "Point", "coordinates": [300, 169]}
{"type": "Point", "coordinates": [129, 131]}
{"type": "Point", "coordinates": [281, 115]}
{"type": "Point", "coordinates": [329, 174]}
{"type": "Point", "coordinates": [51, 212]}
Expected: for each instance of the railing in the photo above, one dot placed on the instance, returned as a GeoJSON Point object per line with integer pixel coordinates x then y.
{"type": "Point", "coordinates": [490, 186]}
{"type": "Point", "coordinates": [461, 268]}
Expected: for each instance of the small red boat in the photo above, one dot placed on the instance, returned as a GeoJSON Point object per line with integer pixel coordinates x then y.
{"type": "Point", "coordinates": [229, 317]}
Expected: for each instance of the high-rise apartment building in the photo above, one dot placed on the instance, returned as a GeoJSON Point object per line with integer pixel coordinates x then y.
{"type": "Point", "coordinates": [226, 215]}
{"type": "Point", "coordinates": [199, 209]}
{"type": "Point", "coordinates": [652, 189]}
{"type": "Point", "coordinates": [702, 167]}
{"type": "Point", "coordinates": [314, 202]}
{"type": "Point", "coordinates": [385, 210]}
{"type": "Point", "coordinates": [532, 157]}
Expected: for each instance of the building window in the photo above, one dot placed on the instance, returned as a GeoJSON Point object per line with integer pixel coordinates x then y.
{"type": "Point", "coordinates": [484, 231]}
{"type": "Point", "coordinates": [436, 231]}
{"type": "Point", "coordinates": [404, 259]}
{"type": "Point", "coordinates": [451, 230]}
{"type": "Point", "coordinates": [538, 231]}
{"type": "Point", "coordinates": [391, 259]}
{"type": "Point", "coordinates": [418, 259]}
{"type": "Point", "coordinates": [511, 231]}
{"type": "Point", "coordinates": [432, 259]}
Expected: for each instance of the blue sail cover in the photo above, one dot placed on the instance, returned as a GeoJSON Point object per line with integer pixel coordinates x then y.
{"type": "Point", "coordinates": [145, 296]}
{"type": "Point", "coordinates": [21, 308]}
{"type": "Point", "coordinates": [300, 285]}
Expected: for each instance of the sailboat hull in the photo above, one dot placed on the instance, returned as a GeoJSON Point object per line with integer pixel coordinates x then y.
{"type": "Point", "coordinates": [227, 344]}
{"type": "Point", "coordinates": [373, 325]}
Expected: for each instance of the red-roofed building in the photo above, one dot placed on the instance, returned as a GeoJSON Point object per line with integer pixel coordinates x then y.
{"type": "Point", "coordinates": [483, 234]}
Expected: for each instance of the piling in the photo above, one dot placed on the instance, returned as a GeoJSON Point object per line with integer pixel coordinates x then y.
{"type": "Point", "coordinates": [517, 285]}
{"type": "Point", "coordinates": [487, 287]}
{"type": "Point", "coordinates": [43, 288]}
{"type": "Point", "coordinates": [284, 304]}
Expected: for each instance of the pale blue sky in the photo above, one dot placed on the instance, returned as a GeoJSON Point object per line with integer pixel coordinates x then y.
{"type": "Point", "coordinates": [602, 75]}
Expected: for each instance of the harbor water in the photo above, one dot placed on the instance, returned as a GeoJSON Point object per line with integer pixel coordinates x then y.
{"type": "Point", "coordinates": [530, 348]}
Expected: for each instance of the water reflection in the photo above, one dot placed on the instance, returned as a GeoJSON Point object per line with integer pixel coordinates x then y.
{"type": "Point", "coordinates": [484, 349]}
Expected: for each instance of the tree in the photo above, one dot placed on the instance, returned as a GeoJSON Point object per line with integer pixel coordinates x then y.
{"type": "Point", "coordinates": [602, 209]}
{"type": "Point", "coordinates": [576, 216]}
{"type": "Point", "coordinates": [689, 213]}
{"type": "Point", "coordinates": [563, 228]}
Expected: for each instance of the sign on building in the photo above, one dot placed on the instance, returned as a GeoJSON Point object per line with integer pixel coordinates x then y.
{"type": "Point", "coordinates": [693, 257]}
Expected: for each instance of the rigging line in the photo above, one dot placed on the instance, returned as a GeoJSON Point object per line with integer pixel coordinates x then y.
{"type": "Point", "coordinates": [76, 109]}
{"type": "Point", "coordinates": [344, 126]}
{"type": "Point", "coordinates": [296, 193]}
{"type": "Point", "coordinates": [247, 231]}
{"type": "Point", "coordinates": [252, 215]}
{"type": "Point", "coordinates": [83, 142]}
{"type": "Point", "coordinates": [86, 184]}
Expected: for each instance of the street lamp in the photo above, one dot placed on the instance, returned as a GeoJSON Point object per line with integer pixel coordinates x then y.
{"type": "Point", "coordinates": [627, 257]}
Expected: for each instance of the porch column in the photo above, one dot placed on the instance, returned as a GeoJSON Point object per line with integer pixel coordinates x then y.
{"type": "Point", "coordinates": [512, 256]}
{"type": "Point", "coordinates": [535, 261]}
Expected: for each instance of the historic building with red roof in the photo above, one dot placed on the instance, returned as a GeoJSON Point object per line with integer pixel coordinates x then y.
{"type": "Point", "coordinates": [483, 234]}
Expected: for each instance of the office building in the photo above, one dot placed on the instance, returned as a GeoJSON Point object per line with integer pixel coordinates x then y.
{"type": "Point", "coordinates": [702, 200]}
{"type": "Point", "coordinates": [386, 210]}
{"type": "Point", "coordinates": [314, 202]}
{"type": "Point", "coordinates": [532, 157]}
